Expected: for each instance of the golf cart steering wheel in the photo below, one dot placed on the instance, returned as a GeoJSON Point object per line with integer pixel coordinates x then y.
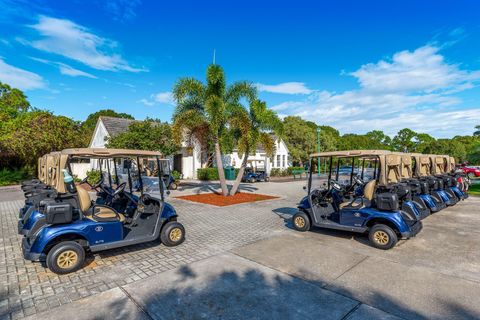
{"type": "Point", "coordinates": [358, 181]}
{"type": "Point", "coordinates": [119, 189]}
{"type": "Point", "coordinates": [335, 185]}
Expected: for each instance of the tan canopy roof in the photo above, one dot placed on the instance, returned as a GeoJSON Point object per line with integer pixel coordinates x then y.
{"type": "Point", "coordinates": [351, 153]}
{"type": "Point", "coordinates": [109, 153]}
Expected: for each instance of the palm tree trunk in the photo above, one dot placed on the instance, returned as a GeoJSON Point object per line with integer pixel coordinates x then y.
{"type": "Point", "coordinates": [236, 185]}
{"type": "Point", "coordinates": [221, 173]}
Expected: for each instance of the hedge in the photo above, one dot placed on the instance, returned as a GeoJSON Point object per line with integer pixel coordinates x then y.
{"type": "Point", "coordinates": [207, 174]}
{"type": "Point", "coordinates": [13, 176]}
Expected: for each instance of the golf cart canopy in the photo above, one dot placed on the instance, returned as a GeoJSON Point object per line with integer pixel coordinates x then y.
{"type": "Point", "coordinates": [109, 153]}
{"type": "Point", "coordinates": [389, 162]}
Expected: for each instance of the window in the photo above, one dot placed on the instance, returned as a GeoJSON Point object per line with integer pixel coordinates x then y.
{"type": "Point", "coordinates": [283, 163]}
{"type": "Point", "coordinates": [278, 161]}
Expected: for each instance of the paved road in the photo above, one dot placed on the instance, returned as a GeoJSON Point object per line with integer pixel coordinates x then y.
{"type": "Point", "coordinates": [245, 262]}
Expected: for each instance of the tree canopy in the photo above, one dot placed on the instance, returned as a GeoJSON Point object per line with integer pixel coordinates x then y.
{"type": "Point", "coordinates": [146, 135]}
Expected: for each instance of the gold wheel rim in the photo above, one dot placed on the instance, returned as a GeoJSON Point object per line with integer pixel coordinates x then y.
{"type": "Point", "coordinates": [300, 222]}
{"type": "Point", "coordinates": [67, 259]}
{"type": "Point", "coordinates": [175, 234]}
{"type": "Point", "coordinates": [381, 237]}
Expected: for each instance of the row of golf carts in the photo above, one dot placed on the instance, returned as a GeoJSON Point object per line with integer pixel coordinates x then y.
{"type": "Point", "coordinates": [61, 222]}
{"type": "Point", "coordinates": [384, 193]}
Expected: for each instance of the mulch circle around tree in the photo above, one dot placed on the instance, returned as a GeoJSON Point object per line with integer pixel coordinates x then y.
{"type": "Point", "coordinates": [222, 201]}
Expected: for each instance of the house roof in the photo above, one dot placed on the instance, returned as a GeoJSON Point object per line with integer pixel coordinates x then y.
{"type": "Point", "coordinates": [114, 125]}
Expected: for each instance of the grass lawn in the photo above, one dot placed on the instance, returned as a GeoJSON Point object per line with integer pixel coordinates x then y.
{"type": "Point", "coordinates": [474, 189]}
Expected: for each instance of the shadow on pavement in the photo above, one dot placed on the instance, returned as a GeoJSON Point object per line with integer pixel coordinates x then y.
{"type": "Point", "coordinates": [212, 187]}
{"type": "Point", "coordinates": [251, 294]}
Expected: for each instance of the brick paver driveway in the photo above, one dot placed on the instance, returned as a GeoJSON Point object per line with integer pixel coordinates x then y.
{"type": "Point", "coordinates": [27, 288]}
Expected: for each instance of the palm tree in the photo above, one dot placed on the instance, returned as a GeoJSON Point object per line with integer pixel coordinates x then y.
{"type": "Point", "coordinates": [477, 131]}
{"type": "Point", "coordinates": [201, 113]}
{"type": "Point", "coordinates": [253, 128]}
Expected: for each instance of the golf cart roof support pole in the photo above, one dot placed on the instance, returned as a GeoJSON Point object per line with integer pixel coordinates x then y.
{"type": "Point", "coordinates": [319, 164]}
{"type": "Point", "coordinates": [338, 168]}
{"type": "Point", "coordinates": [330, 171]}
{"type": "Point", "coordinates": [109, 175]}
{"type": "Point", "coordinates": [310, 176]}
{"type": "Point", "coordinates": [375, 170]}
{"type": "Point", "coordinates": [129, 175]}
{"type": "Point", "coordinates": [116, 174]}
{"type": "Point", "coordinates": [160, 179]}
{"type": "Point", "coordinates": [363, 167]}
{"type": "Point", "coordinates": [351, 173]}
{"type": "Point", "coordinates": [140, 182]}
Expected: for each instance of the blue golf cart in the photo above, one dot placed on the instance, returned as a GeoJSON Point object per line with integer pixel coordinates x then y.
{"type": "Point", "coordinates": [349, 203]}
{"type": "Point", "coordinates": [71, 229]}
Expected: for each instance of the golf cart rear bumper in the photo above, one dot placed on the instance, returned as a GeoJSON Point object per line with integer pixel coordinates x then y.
{"type": "Point", "coordinates": [414, 230]}
{"type": "Point", "coordinates": [28, 255]}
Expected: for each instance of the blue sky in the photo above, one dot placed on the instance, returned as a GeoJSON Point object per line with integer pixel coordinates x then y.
{"type": "Point", "coordinates": [355, 65]}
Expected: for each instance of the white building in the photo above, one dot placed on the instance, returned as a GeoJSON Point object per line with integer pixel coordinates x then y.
{"type": "Point", "coordinates": [189, 159]}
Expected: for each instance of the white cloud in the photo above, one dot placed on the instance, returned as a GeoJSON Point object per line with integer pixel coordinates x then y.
{"type": "Point", "coordinates": [286, 88]}
{"type": "Point", "coordinates": [20, 78]}
{"type": "Point", "coordinates": [423, 70]}
{"type": "Point", "coordinates": [65, 69]}
{"type": "Point", "coordinates": [163, 97]}
{"type": "Point", "coordinates": [415, 89]}
{"type": "Point", "coordinates": [160, 97]}
{"type": "Point", "coordinates": [73, 41]}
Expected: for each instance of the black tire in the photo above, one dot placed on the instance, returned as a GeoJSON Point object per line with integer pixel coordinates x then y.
{"type": "Point", "coordinates": [382, 237]}
{"type": "Point", "coordinates": [267, 179]}
{"type": "Point", "coordinates": [301, 221]}
{"type": "Point", "coordinates": [66, 257]}
{"type": "Point", "coordinates": [252, 180]}
{"type": "Point", "coordinates": [173, 186]}
{"type": "Point", "coordinates": [172, 234]}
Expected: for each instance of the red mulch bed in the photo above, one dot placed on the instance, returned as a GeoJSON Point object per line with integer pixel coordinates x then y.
{"type": "Point", "coordinates": [222, 201]}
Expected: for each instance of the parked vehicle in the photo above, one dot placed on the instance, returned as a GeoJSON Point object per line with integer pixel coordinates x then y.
{"type": "Point", "coordinates": [357, 207]}
{"type": "Point", "coordinates": [73, 228]}
{"type": "Point", "coordinates": [471, 171]}
{"type": "Point", "coordinates": [249, 175]}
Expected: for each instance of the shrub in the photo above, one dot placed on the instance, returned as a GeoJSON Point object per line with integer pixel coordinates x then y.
{"type": "Point", "coordinates": [176, 175]}
{"type": "Point", "coordinates": [291, 169]}
{"type": "Point", "coordinates": [94, 176]}
{"type": "Point", "coordinates": [13, 176]}
{"type": "Point", "coordinates": [207, 174]}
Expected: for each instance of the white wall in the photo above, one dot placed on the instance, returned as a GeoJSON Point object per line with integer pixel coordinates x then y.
{"type": "Point", "coordinates": [99, 136]}
{"type": "Point", "coordinates": [80, 169]}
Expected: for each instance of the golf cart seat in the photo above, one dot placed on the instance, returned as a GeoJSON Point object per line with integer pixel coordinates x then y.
{"type": "Point", "coordinates": [361, 202]}
{"type": "Point", "coordinates": [95, 212]}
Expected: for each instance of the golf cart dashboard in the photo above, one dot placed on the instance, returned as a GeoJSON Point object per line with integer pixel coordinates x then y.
{"type": "Point", "coordinates": [148, 204]}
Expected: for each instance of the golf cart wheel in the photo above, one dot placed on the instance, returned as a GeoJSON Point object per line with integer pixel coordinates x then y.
{"type": "Point", "coordinates": [267, 179]}
{"type": "Point", "coordinates": [66, 257]}
{"type": "Point", "coordinates": [301, 221]}
{"type": "Point", "coordinates": [382, 237]}
{"type": "Point", "coordinates": [251, 180]}
{"type": "Point", "coordinates": [173, 186]}
{"type": "Point", "coordinates": [172, 234]}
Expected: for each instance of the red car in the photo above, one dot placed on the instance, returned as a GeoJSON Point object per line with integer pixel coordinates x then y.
{"type": "Point", "coordinates": [471, 171]}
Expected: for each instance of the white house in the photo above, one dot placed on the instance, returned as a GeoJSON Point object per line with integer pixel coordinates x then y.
{"type": "Point", "coordinates": [189, 158]}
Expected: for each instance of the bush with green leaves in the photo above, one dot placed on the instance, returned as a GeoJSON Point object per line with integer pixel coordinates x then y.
{"type": "Point", "coordinates": [13, 176]}
{"type": "Point", "coordinates": [176, 175]}
{"type": "Point", "coordinates": [207, 174]}
{"type": "Point", "coordinates": [94, 176]}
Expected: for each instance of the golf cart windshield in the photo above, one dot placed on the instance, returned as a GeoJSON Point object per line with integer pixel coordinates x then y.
{"type": "Point", "coordinates": [342, 169]}
{"type": "Point", "coordinates": [141, 175]}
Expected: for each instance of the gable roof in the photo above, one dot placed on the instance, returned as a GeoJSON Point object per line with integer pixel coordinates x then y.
{"type": "Point", "coordinates": [114, 125]}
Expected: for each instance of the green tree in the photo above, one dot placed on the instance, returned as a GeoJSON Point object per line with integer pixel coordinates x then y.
{"type": "Point", "coordinates": [253, 127]}
{"type": "Point", "coordinates": [476, 133]}
{"type": "Point", "coordinates": [12, 103]}
{"type": "Point", "coordinates": [404, 141]}
{"type": "Point", "coordinates": [202, 111]}
{"type": "Point", "coordinates": [378, 140]}
{"type": "Point", "coordinates": [146, 135]}
{"type": "Point", "coordinates": [33, 134]}
{"type": "Point", "coordinates": [451, 147]}
{"type": "Point", "coordinates": [422, 140]}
